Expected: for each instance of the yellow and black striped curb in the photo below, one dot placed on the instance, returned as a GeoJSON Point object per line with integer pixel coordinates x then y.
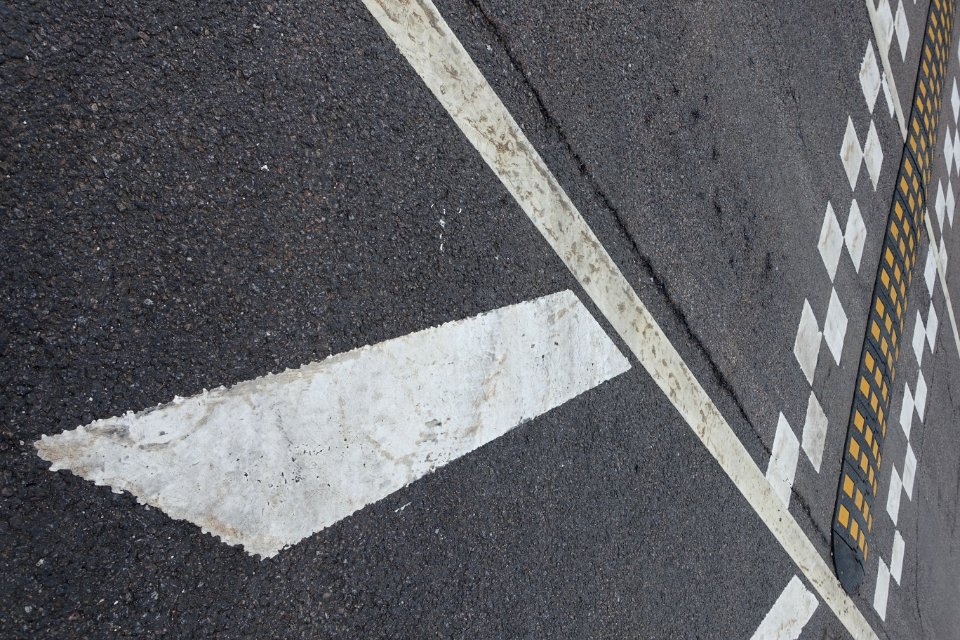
{"type": "Point", "coordinates": [869, 415]}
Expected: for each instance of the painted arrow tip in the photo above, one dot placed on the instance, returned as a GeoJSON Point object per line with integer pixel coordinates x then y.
{"type": "Point", "coordinates": [270, 461]}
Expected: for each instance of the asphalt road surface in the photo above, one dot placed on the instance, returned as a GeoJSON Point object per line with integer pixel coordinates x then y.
{"type": "Point", "coordinates": [562, 302]}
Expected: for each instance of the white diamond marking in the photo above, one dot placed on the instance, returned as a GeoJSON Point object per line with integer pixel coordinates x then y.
{"type": "Point", "coordinates": [856, 235]}
{"type": "Point", "coordinates": [851, 154]}
{"type": "Point", "coordinates": [870, 77]}
{"type": "Point", "coordinates": [835, 326]}
{"type": "Point", "coordinates": [806, 348]}
{"type": "Point", "coordinates": [831, 241]}
{"type": "Point", "coordinates": [873, 155]}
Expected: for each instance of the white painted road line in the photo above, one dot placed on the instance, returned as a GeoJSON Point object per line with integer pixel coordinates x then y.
{"type": "Point", "coordinates": [426, 41]}
{"type": "Point", "coordinates": [882, 32]}
{"type": "Point", "coordinates": [942, 271]}
{"type": "Point", "coordinates": [271, 461]}
{"type": "Point", "coordinates": [789, 614]}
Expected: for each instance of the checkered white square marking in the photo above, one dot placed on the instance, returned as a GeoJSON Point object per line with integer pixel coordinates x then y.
{"type": "Point", "coordinates": [896, 558]}
{"type": "Point", "coordinates": [909, 470]}
{"type": "Point", "coordinates": [887, 96]}
{"type": "Point", "coordinates": [902, 30]}
{"type": "Point", "coordinates": [918, 338]}
{"type": "Point", "coordinates": [920, 397]}
{"type": "Point", "coordinates": [814, 432]}
{"type": "Point", "coordinates": [870, 77]}
{"type": "Point", "coordinates": [884, 25]}
{"type": "Point", "coordinates": [882, 590]}
{"type": "Point", "coordinates": [956, 149]}
{"type": "Point", "coordinates": [943, 255]}
{"type": "Point", "coordinates": [940, 204]}
{"type": "Point", "coordinates": [893, 498]}
{"type": "Point", "coordinates": [906, 411]}
{"type": "Point", "coordinates": [835, 326]}
{"type": "Point", "coordinates": [948, 149]}
{"type": "Point", "coordinates": [851, 154]}
{"type": "Point", "coordinates": [873, 155]}
{"type": "Point", "coordinates": [932, 326]}
{"type": "Point", "coordinates": [951, 203]}
{"type": "Point", "coordinates": [856, 235]}
{"type": "Point", "coordinates": [783, 460]}
{"type": "Point", "coordinates": [806, 347]}
{"type": "Point", "coordinates": [954, 101]}
{"type": "Point", "coordinates": [930, 272]}
{"type": "Point", "coordinates": [831, 241]}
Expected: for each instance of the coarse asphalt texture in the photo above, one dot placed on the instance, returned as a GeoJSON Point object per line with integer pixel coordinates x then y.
{"type": "Point", "coordinates": [196, 194]}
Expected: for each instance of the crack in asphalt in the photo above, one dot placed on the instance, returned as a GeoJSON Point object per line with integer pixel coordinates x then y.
{"type": "Point", "coordinates": [646, 264]}
{"type": "Point", "coordinates": [719, 377]}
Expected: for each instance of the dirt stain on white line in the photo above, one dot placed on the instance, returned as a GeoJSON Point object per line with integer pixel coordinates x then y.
{"type": "Point", "coordinates": [273, 460]}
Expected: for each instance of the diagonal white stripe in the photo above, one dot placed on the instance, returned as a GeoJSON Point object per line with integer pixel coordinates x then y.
{"type": "Point", "coordinates": [789, 614]}
{"type": "Point", "coordinates": [270, 461]}
{"type": "Point", "coordinates": [426, 41]}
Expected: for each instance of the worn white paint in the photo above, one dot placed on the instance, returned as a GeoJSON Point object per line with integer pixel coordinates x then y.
{"type": "Point", "coordinates": [940, 203]}
{"type": "Point", "coordinates": [789, 614]}
{"type": "Point", "coordinates": [855, 237]}
{"type": "Point", "coordinates": [870, 77]}
{"type": "Point", "coordinates": [835, 326]}
{"type": "Point", "coordinates": [814, 432]}
{"type": "Point", "coordinates": [270, 461]}
{"type": "Point", "coordinates": [806, 346]}
{"type": "Point", "coordinates": [888, 98]}
{"type": "Point", "coordinates": [933, 324]}
{"type": "Point", "coordinates": [920, 395]}
{"type": "Point", "coordinates": [428, 44]}
{"type": "Point", "coordinates": [909, 471]}
{"type": "Point", "coordinates": [893, 495]}
{"type": "Point", "coordinates": [782, 466]}
{"type": "Point", "coordinates": [882, 590]}
{"type": "Point", "coordinates": [902, 29]}
{"type": "Point", "coordinates": [885, 21]}
{"type": "Point", "coordinates": [830, 242]}
{"type": "Point", "coordinates": [948, 149]}
{"type": "Point", "coordinates": [919, 336]}
{"type": "Point", "coordinates": [956, 149]}
{"type": "Point", "coordinates": [873, 155]}
{"type": "Point", "coordinates": [930, 269]}
{"type": "Point", "coordinates": [851, 153]}
{"type": "Point", "coordinates": [906, 411]}
{"type": "Point", "coordinates": [955, 102]}
{"type": "Point", "coordinates": [881, 19]}
{"type": "Point", "coordinates": [951, 201]}
{"type": "Point", "coordinates": [896, 557]}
